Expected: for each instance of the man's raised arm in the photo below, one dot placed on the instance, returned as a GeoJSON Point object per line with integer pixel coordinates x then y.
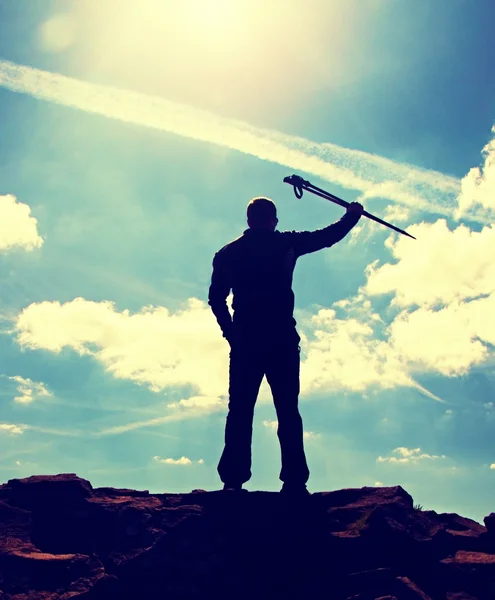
{"type": "Point", "coordinates": [305, 242]}
{"type": "Point", "coordinates": [217, 296]}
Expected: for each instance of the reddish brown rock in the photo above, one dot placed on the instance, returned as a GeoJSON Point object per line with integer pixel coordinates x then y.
{"type": "Point", "coordinates": [60, 539]}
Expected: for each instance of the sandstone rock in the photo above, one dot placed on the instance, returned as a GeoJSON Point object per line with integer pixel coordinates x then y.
{"type": "Point", "coordinates": [112, 492]}
{"type": "Point", "coordinates": [42, 490]}
{"type": "Point", "coordinates": [60, 539]}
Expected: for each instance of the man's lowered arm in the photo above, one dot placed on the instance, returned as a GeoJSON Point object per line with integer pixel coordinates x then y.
{"type": "Point", "coordinates": [217, 296]}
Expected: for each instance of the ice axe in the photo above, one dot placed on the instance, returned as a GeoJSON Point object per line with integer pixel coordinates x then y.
{"type": "Point", "coordinates": [301, 184]}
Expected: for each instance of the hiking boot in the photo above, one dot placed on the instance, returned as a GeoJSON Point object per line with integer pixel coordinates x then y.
{"type": "Point", "coordinates": [233, 487]}
{"type": "Point", "coordinates": [295, 490]}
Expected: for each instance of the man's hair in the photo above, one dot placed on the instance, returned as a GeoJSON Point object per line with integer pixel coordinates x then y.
{"type": "Point", "coordinates": [260, 210]}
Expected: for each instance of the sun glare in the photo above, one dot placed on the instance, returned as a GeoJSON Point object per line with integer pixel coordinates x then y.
{"type": "Point", "coordinates": [218, 53]}
{"type": "Point", "coordinates": [141, 27]}
{"type": "Point", "coordinates": [215, 17]}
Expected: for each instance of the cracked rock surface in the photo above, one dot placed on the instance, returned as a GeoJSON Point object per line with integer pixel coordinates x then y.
{"type": "Point", "coordinates": [61, 539]}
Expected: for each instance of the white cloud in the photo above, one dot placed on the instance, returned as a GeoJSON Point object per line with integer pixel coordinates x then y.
{"type": "Point", "coordinates": [390, 188]}
{"type": "Point", "coordinates": [478, 186]}
{"type": "Point", "coordinates": [273, 425]}
{"type": "Point", "coordinates": [201, 403]}
{"type": "Point", "coordinates": [407, 452]}
{"type": "Point", "coordinates": [12, 429]}
{"type": "Point", "coordinates": [344, 353]}
{"type": "Point", "coordinates": [446, 287]}
{"type": "Point", "coordinates": [492, 466]}
{"type": "Point", "coordinates": [183, 460]}
{"type": "Point", "coordinates": [311, 435]}
{"type": "Point", "coordinates": [438, 268]}
{"type": "Point", "coordinates": [18, 229]}
{"type": "Point", "coordinates": [396, 214]}
{"type": "Point", "coordinates": [418, 188]}
{"type": "Point", "coordinates": [29, 390]}
{"type": "Point", "coordinates": [446, 341]}
{"type": "Point", "coordinates": [408, 456]}
{"type": "Point", "coordinates": [362, 233]}
{"type": "Point", "coordinates": [157, 348]}
{"type": "Point", "coordinates": [153, 347]}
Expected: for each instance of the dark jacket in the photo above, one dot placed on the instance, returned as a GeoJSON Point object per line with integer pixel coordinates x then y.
{"type": "Point", "coordinates": [258, 267]}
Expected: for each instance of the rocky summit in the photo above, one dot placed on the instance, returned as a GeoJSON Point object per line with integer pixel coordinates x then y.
{"type": "Point", "coordinates": [62, 539]}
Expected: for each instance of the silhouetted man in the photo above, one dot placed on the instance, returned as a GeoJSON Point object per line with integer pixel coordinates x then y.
{"type": "Point", "coordinates": [258, 268]}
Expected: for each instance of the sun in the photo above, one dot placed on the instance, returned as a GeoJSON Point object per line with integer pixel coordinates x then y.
{"type": "Point", "coordinates": [205, 41]}
{"type": "Point", "coordinates": [220, 18]}
{"type": "Point", "coordinates": [184, 30]}
{"type": "Point", "coordinates": [186, 22]}
{"type": "Point", "coordinates": [216, 54]}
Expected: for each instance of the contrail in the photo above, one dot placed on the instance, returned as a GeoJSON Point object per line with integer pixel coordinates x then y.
{"type": "Point", "coordinates": [427, 393]}
{"type": "Point", "coordinates": [372, 175]}
{"type": "Point", "coordinates": [117, 429]}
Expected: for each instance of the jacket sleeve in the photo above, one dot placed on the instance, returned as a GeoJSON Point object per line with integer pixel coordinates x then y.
{"type": "Point", "coordinates": [305, 242]}
{"type": "Point", "coordinates": [217, 296]}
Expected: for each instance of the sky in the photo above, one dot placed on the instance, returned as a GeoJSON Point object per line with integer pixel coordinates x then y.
{"type": "Point", "coordinates": [134, 135]}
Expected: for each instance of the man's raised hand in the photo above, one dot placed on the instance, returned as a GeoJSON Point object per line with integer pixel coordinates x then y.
{"type": "Point", "coordinates": [355, 208]}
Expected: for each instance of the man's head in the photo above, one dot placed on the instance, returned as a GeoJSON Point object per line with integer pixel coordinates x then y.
{"type": "Point", "coordinates": [262, 214]}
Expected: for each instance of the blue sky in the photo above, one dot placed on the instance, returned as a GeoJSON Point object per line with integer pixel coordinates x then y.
{"type": "Point", "coordinates": [132, 140]}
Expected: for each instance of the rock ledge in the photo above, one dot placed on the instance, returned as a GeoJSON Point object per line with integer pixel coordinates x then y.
{"type": "Point", "coordinates": [62, 539]}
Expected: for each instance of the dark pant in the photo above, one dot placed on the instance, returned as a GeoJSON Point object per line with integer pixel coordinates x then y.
{"type": "Point", "coordinates": [279, 361]}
